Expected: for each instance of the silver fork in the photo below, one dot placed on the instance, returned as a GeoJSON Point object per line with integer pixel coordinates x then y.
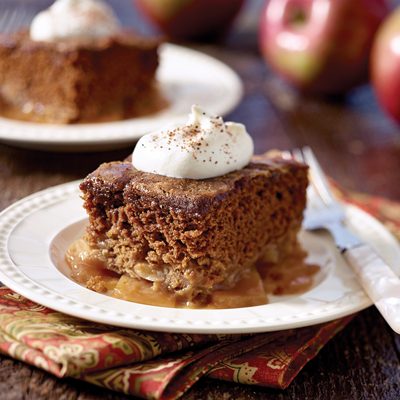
{"type": "Point", "coordinates": [324, 211]}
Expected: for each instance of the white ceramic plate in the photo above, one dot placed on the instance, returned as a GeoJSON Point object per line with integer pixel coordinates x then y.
{"type": "Point", "coordinates": [38, 229]}
{"type": "Point", "coordinates": [186, 77]}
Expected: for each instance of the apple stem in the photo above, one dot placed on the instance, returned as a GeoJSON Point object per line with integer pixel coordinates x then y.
{"type": "Point", "coordinates": [297, 16]}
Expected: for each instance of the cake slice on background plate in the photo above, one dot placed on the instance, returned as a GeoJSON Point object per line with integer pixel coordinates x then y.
{"type": "Point", "coordinates": [76, 64]}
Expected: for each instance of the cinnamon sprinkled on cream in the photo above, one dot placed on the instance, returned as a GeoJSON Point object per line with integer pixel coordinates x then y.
{"type": "Point", "coordinates": [203, 148]}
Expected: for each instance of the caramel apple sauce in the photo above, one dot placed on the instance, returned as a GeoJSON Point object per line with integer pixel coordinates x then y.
{"type": "Point", "coordinates": [291, 276]}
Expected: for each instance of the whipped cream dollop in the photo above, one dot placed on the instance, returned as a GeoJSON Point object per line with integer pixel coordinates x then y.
{"type": "Point", "coordinates": [203, 148]}
{"type": "Point", "coordinates": [74, 19]}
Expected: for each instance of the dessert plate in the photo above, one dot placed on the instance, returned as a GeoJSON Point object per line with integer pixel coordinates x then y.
{"type": "Point", "coordinates": [36, 231]}
{"type": "Point", "coordinates": [186, 77]}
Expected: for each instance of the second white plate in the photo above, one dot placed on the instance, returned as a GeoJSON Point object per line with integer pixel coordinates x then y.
{"type": "Point", "coordinates": [186, 77]}
{"type": "Point", "coordinates": [38, 229]}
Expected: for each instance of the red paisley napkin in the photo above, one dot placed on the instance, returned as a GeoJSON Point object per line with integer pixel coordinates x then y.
{"type": "Point", "coordinates": [158, 365]}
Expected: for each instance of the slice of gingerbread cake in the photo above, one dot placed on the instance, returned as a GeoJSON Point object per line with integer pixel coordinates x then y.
{"type": "Point", "coordinates": [191, 236]}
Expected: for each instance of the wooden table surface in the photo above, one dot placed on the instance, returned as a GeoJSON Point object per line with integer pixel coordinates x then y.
{"type": "Point", "coordinates": [356, 144]}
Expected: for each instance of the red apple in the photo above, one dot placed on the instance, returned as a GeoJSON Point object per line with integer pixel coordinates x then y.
{"type": "Point", "coordinates": [321, 46]}
{"type": "Point", "coordinates": [385, 65]}
{"type": "Point", "coordinates": [191, 19]}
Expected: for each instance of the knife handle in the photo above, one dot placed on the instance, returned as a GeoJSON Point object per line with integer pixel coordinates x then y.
{"type": "Point", "coordinates": [378, 280]}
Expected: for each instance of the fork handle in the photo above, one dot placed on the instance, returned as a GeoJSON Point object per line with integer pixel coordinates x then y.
{"type": "Point", "coordinates": [378, 280]}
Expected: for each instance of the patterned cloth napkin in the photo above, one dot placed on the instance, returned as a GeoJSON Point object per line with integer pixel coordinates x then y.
{"type": "Point", "coordinates": [158, 365]}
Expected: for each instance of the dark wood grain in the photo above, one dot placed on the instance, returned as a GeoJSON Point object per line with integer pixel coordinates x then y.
{"type": "Point", "coordinates": [357, 145]}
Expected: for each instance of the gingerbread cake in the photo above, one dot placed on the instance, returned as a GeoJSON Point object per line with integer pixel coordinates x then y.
{"type": "Point", "coordinates": [69, 81]}
{"type": "Point", "coordinates": [191, 237]}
